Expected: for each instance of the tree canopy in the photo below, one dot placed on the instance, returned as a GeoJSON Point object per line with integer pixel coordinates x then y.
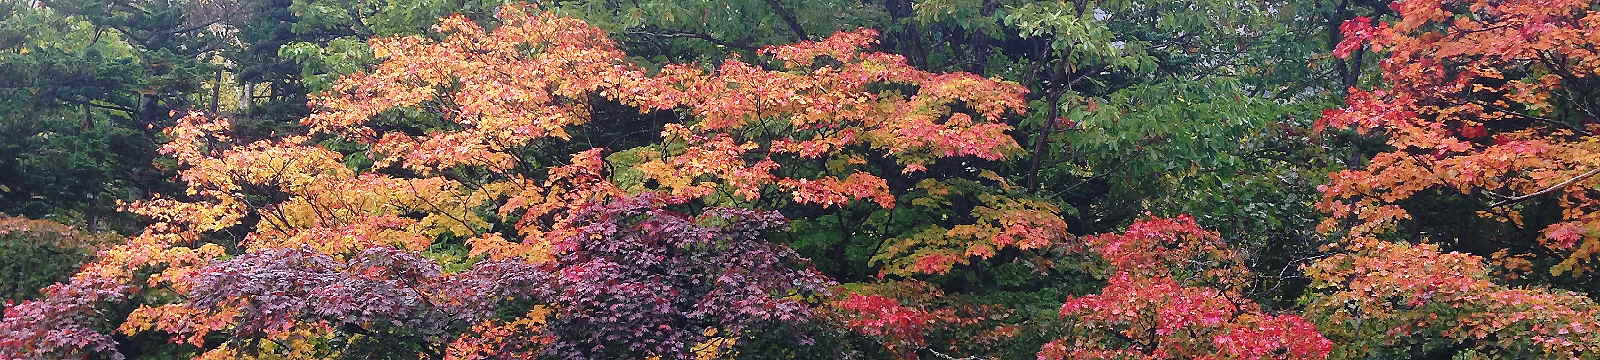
{"type": "Point", "coordinates": [780, 179]}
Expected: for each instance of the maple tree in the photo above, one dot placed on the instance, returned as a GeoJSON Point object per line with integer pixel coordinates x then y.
{"type": "Point", "coordinates": [637, 278]}
{"type": "Point", "coordinates": [655, 181]}
{"type": "Point", "coordinates": [1485, 99]}
{"type": "Point", "coordinates": [318, 231]}
{"type": "Point", "coordinates": [1488, 104]}
{"type": "Point", "coordinates": [1174, 293]}
{"type": "Point", "coordinates": [822, 108]}
{"type": "Point", "coordinates": [1392, 298]}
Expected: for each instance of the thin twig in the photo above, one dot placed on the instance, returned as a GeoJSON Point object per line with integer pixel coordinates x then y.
{"type": "Point", "coordinates": [948, 357]}
{"type": "Point", "coordinates": [789, 19]}
{"type": "Point", "coordinates": [692, 35]}
{"type": "Point", "coordinates": [1549, 121]}
{"type": "Point", "coordinates": [1547, 190]}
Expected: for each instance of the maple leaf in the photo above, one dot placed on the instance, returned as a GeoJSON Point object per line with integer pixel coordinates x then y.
{"type": "Point", "coordinates": [1154, 295]}
{"type": "Point", "coordinates": [1452, 79]}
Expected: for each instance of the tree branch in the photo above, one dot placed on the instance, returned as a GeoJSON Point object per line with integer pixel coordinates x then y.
{"type": "Point", "coordinates": [102, 106]}
{"type": "Point", "coordinates": [1547, 190]}
{"type": "Point", "coordinates": [231, 15]}
{"type": "Point", "coordinates": [948, 357]}
{"type": "Point", "coordinates": [1549, 121]}
{"type": "Point", "coordinates": [669, 34]}
{"type": "Point", "coordinates": [788, 18]}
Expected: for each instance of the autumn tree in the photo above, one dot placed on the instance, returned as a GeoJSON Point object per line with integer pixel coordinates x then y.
{"type": "Point", "coordinates": [637, 278]}
{"type": "Point", "coordinates": [837, 149]}
{"type": "Point", "coordinates": [430, 179]}
{"type": "Point", "coordinates": [1504, 123]}
{"type": "Point", "coordinates": [1176, 292]}
{"type": "Point", "coordinates": [1395, 299]}
{"type": "Point", "coordinates": [40, 252]}
{"type": "Point", "coordinates": [1485, 108]}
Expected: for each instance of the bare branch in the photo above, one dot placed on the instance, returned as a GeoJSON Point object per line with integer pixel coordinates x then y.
{"type": "Point", "coordinates": [948, 357]}
{"type": "Point", "coordinates": [691, 35]}
{"type": "Point", "coordinates": [1547, 190]}
{"type": "Point", "coordinates": [789, 18]}
{"type": "Point", "coordinates": [1536, 118]}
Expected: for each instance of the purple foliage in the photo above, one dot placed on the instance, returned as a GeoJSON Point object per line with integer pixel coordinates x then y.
{"type": "Point", "coordinates": [632, 280]}
{"type": "Point", "coordinates": [276, 288]}
{"type": "Point", "coordinates": [62, 324]}
{"type": "Point", "coordinates": [637, 279]}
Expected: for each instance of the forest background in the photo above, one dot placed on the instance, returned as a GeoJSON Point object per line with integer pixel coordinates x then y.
{"type": "Point", "coordinates": [939, 179]}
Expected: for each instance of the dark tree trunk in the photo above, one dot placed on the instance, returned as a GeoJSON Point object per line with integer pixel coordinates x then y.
{"type": "Point", "coordinates": [789, 19]}
{"type": "Point", "coordinates": [216, 92]}
{"type": "Point", "coordinates": [149, 110]}
{"type": "Point", "coordinates": [1042, 140]}
{"type": "Point", "coordinates": [907, 40]}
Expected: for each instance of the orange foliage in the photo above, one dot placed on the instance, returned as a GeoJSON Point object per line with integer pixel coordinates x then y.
{"type": "Point", "coordinates": [1480, 102]}
{"type": "Point", "coordinates": [1175, 294]}
{"type": "Point", "coordinates": [832, 108]}
{"type": "Point", "coordinates": [1406, 293]}
{"type": "Point", "coordinates": [486, 95]}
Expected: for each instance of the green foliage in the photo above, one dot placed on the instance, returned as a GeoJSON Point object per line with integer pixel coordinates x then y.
{"type": "Point", "coordinates": [1081, 38]}
{"type": "Point", "coordinates": [1136, 107]}
{"type": "Point", "coordinates": [74, 143]}
{"type": "Point", "coordinates": [37, 253]}
{"type": "Point", "coordinates": [659, 31]}
{"type": "Point", "coordinates": [1186, 107]}
{"type": "Point", "coordinates": [327, 38]}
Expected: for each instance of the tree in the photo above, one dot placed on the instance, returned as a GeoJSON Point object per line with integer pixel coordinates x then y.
{"type": "Point", "coordinates": [1486, 180]}
{"type": "Point", "coordinates": [1179, 107]}
{"type": "Point", "coordinates": [174, 39]}
{"type": "Point", "coordinates": [1396, 299]}
{"type": "Point", "coordinates": [671, 31]}
{"type": "Point", "coordinates": [41, 252]}
{"type": "Point", "coordinates": [1488, 106]}
{"type": "Point", "coordinates": [457, 177]}
{"type": "Point", "coordinates": [823, 115]}
{"type": "Point", "coordinates": [73, 146]}
{"type": "Point", "coordinates": [1175, 293]}
{"type": "Point", "coordinates": [637, 278]}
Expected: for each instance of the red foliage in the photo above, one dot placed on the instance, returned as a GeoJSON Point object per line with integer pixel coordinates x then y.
{"type": "Point", "coordinates": [1272, 337]}
{"type": "Point", "coordinates": [1478, 98]}
{"type": "Point", "coordinates": [883, 317]}
{"type": "Point", "coordinates": [1161, 304]}
{"type": "Point", "coordinates": [62, 325]}
{"type": "Point", "coordinates": [309, 236]}
{"type": "Point", "coordinates": [1171, 248]}
{"type": "Point", "coordinates": [1478, 101]}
